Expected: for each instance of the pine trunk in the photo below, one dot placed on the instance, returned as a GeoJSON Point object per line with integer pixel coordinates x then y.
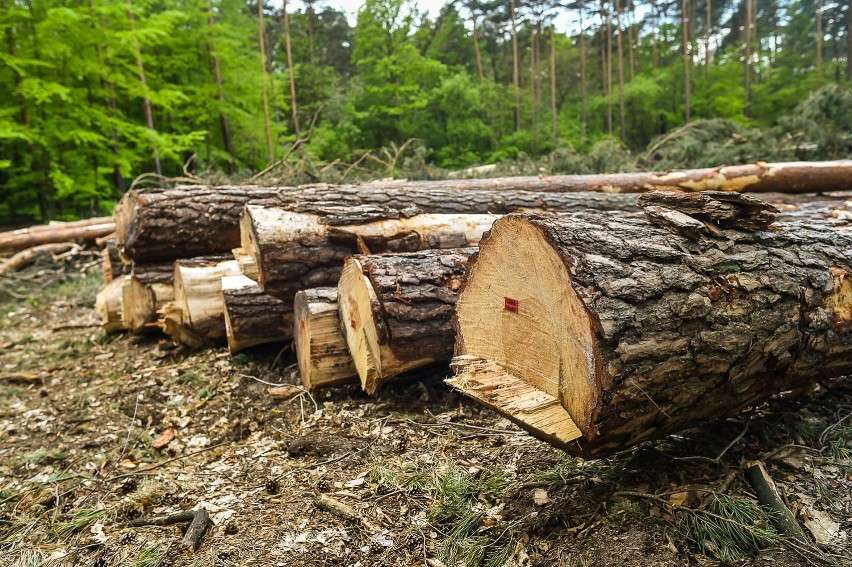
{"type": "Point", "coordinates": [252, 317]}
{"type": "Point", "coordinates": [654, 332]}
{"type": "Point", "coordinates": [397, 310]}
{"type": "Point", "coordinates": [320, 346]}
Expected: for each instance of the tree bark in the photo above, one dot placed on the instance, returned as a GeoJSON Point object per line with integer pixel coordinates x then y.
{"type": "Point", "coordinates": [320, 346]}
{"type": "Point", "coordinates": [252, 317]}
{"type": "Point", "coordinates": [147, 289]}
{"type": "Point", "coordinates": [108, 305]}
{"type": "Point", "coordinates": [397, 310]}
{"type": "Point", "coordinates": [301, 250]}
{"type": "Point", "coordinates": [193, 221]}
{"type": "Point", "coordinates": [198, 297]}
{"type": "Point", "coordinates": [654, 332]}
{"type": "Point", "coordinates": [56, 232]}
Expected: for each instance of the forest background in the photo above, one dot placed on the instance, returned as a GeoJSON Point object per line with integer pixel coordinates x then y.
{"type": "Point", "coordinates": [99, 95]}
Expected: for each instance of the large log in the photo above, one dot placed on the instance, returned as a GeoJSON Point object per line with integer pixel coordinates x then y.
{"type": "Point", "coordinates": [196, 316]}
{"type": "Point", "coordinates": [147, 289]}
{"type": "Point", "coordinates": [321, 351]}
{"type": "Point", "coordinates": [300, 250]}
{"type": "Point", "coordinates": [85, 230]}
{"type": "Point", "coordinates": [397, 310]}
{"type": "Point", "coordinates": [108, 305]}
{"type": "Point", "coordinates": [252, 317]}
{"type": "Point", "coordinates": [760, 177]}
{"type": "Point", "coordinates": [596, 332]}
{"type": "Point", "coordinates": [188, 221]}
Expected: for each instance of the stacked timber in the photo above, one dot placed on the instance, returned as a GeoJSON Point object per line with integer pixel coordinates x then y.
{"type": "Point", "coordinates": [196, 316]}
{"type": "Point", "coordinates": [145, 291]}
{"type": "Point", "coordinates": [596, 331]}
{"type": "Point", "coordinates": [252, 317]}
{"type": "Point", "coordinates": [320, 346]}
{"type": "Point", "coordinates": [397, 310]}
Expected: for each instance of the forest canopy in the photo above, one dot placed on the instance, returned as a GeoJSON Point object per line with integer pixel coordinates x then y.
{"type": "Point", "coordinates": [97, 93]}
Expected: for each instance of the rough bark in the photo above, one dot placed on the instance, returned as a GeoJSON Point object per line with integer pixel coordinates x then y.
{"type": "Point", "coordinates": [191, 221]}
{"type": "Point", "coordinates": [299, 250]}
{"type": "Point", "coordinates": [198, 297]}
{"type": "Point", "coordinates": [654, 332]}
{"type": "Point", "coordinates": [320, 346]}
{"type": "Point", "coordinates": [397, 310]}
{"type": "Point", "coordinates": [147, 289]}
{"type": "Point", "coordinates": [252, 317]}
{"type": "Point", "coordinates": [56, 232]}
{"type": "Point", "coordinates": [108, 305]}
{"type": "Point", "coordinates": [194, 221]}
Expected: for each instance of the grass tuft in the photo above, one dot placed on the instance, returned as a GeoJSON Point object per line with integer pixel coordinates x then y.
{"type": "Point", "coordinates": [149, 556]}
{"type": "Point", "coordinates": [81, 519]}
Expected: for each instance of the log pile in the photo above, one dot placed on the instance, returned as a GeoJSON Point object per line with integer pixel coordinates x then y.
{"type": "Point", "coordinates": [592, 319]}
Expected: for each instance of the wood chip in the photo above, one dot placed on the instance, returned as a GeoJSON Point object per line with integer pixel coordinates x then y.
{"type": "Point", "coordinates": [164, 439]}
{"type": "Point", "coordinates": [285, 392]}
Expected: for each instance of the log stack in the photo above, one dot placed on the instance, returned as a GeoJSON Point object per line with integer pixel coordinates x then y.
{"type": "Point", "coordinates": [596, 332]}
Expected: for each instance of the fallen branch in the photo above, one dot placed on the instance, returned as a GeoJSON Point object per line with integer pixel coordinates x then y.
{"type": "Point", "coordinates": [27, 257]}
{"type": "Point", "coordinates": [768, 496]}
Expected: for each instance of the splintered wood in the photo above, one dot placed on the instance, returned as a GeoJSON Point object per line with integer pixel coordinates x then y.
{"type": "Point", "coordinates": [639, 332]}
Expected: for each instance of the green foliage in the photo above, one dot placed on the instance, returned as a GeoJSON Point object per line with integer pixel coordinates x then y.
{"type": "Point", "coordinates": [73, 123]}
{"type": "Point", "coordinates": [731, 529]}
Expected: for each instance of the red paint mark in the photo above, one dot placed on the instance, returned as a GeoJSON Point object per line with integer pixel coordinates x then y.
{"type": "Point", "coordinates": [302, 324]}
{"type": "Point", "coordinates": [510, 304]}
{"type": "Point", "coordinates": [353, 324]}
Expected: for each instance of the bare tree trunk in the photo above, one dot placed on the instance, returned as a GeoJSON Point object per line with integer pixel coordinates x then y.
{"type": "Point", "coordinates": [262, 37]}
{"type": "Point", "coordinates": [476, 51]}
{"type": "Point", "coordinates": [583, 72]}
{"type": "Point", "coordinates": [620, 71]}
{"type": "Point", "coordinates": [608, 70]}
{"type": "Point", "coordinates": [849, 43]}
{"type": "Point", "coordinates": [516, 68]}
{"type": "Point", "coordinates": [217, 74]}
{"type": "Point", "coordinates": [553, 82]}
{"type": "Point", "coordinates": [293, 105]}
{"type": "Point", "coordinates": [656, 22]}
{"type": "Point", "coordinates": [747, 109]}
{"type": "Point", "coordinates": [149, 113]}
{"type": "Point", "coordinates": [685, 26]}
{"type": "Point", "coordinates": [533, 97]}
{"type": "Point", "coordinates": [819, 43]}
{"type": "Point", "coordinates": [707, 27]}
{"type": "Point", "coordinates": [630, 22]}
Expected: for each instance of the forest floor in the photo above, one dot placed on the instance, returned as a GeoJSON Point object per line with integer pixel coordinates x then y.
{"type": "Point", "coordinates": [425, 476]}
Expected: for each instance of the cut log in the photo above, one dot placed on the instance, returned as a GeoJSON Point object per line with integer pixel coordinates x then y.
{"type": "Point", "coordinates": [56, 232]}
{"type": "Point", "coordinates": [189, 221]}
{"type": "Point", "coordinates": [111, 260]}
{"type": "Point", "coordinates": [147, 289]}
{"type": "Point", "coordinates": [195, 221]}
{"type": "Point", "coordinates": [29, 256]}
{"type": "Point", "coordinates": [320, 346]}
{"type": "Point", "coordinates": [108, 305]}
{"type": "Point", "coordinates": [397, 310]}
{"type": "Point", "coordinates": [297, 250]}
{"type": "Point", "coordinates": [198, 297]}
{"type": "Point", "coordinates": [252, 317]}
{"type": "Point", "coordinates": [632, 332]}
{"type": "Point", "coordinates": [760, 177]}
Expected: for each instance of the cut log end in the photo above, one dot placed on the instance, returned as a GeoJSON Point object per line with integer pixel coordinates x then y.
{"type": "Point", "coordinates": [108, 305]}
{"type": "Point", "coordinates": [321, 350]}
{"type": "Point", "coordinates": [518, 314]}
{"type": "Point", "coordinates": [198, 294]}
{"type": "Point", "coordinates": [140, 303]}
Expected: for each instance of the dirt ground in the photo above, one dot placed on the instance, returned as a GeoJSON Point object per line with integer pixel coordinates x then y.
{"type": "Point", "coordinates": [417, 475]}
